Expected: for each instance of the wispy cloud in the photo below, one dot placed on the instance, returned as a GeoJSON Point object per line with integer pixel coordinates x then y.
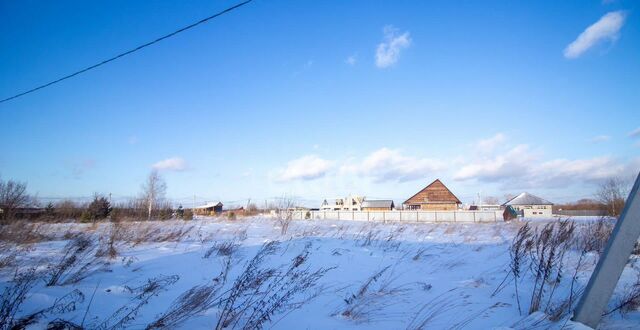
{"type": "Point", "coordinates": [607, 28]}
{"type": "Point", "coordinates": [635, 133]}
{"type": "Point", "coordinates": [351, 60]}
{"type": "Point", "coordinates": [390, 165]}
{"type": "Point", "coordinates": [489, 144]}
{"type": "Point", "coordinates": [171, 164]}
{"type": "Point", "coordinates": [133, 140]}
{"type": "Point", "coordinates": [388, 51]}
{"type": "Point", "coordinates": [600, 139]}
{"type": "Point", "coordinates": [305, 168]}
{"type": "Point", "coordinates": [521, 166]}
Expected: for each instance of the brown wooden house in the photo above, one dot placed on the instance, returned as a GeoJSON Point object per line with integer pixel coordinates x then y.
{"type": "Point", "coordinates": [434, 197]}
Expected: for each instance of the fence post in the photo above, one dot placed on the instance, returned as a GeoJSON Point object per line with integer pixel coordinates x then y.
{"type": "Point", "coordinates": [474, 216]}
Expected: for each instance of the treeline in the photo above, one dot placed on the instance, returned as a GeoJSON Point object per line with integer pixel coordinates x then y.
{"type": "Point", "coordinates": [17, 204]}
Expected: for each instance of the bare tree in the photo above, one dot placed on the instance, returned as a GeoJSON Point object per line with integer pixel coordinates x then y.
{"type": "Point", "coordinates": [153, 191]}
{"type": "Point", "coordinates": [284, 213]}
{"type": "Point", "coordinates": [612, 193]}
{"type": "Point", "coordinates": [490, 200]}
{"type": "Point", "coordinates": [13, 195]}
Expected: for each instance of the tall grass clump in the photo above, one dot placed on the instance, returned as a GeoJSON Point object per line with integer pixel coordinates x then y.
{"type": "Point", "coordinates": [260, 293]}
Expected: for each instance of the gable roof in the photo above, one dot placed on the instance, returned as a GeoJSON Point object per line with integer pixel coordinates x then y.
{"type": "Point", "coordinates": [526, 198]}
{"type": "Point", "coordinates": [435, 193]}
{"type": "Point", "coordinates": [379, 203]}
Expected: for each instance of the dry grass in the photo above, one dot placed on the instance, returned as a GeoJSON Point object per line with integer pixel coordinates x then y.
{"type": "Point", "coordinates": [260, 293]}
{"type": "Point", "coordinates": [369, 302]}
{"type": "Point", "coordinates": [78, 262]}
{"type": "Point", "coordinates": [194, 301]}
{"type": "Point", "coordinates": [14, 295]}
{"type": "Point", "coordinates": [222, 249]}
{"type": "Point", "coordinates": [142, 294]}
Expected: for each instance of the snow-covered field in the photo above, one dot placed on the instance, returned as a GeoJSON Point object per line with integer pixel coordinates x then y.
{"type": "Point", "coordinates": [336, 275]}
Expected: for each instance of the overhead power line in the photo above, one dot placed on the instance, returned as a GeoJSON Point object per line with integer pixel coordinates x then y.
{"type": "Point", "coordinates": [204, 20]}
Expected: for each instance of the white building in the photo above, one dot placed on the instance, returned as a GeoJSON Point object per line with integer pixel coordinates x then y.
{"type": "Point", "coordinates": [530, 206]}
{"type": "Point", "coordinates": [350, 203]}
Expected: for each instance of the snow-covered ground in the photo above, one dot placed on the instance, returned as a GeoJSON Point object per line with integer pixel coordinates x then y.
{"type": "Point", "coordinates": [430, 276]}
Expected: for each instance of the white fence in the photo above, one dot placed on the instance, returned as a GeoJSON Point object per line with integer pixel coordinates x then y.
{"type": "Point", "coordinates": [403, 216]}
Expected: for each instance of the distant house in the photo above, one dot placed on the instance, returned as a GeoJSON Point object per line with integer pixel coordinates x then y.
{"type": "Point", "coordinates": [210, 208]}
{"type": "Point", "coordinates": [350, 203]}
{"type": "Point", "coordinates": [434, 197]}
{"type": "Point", "coordinates": [530, 206]}
{"type": "Point", "coordinates": [377, 205]}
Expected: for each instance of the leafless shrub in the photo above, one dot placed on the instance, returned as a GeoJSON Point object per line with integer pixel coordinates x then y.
{"type": "Point", "coordinates": [629, 301]}
{"type": "Point", "coordinates": [369, 237]}
{"type": "Point", "coordinates": [225, 248]}
{"type": "Point", "coordinates": [23, 232]}
{"type": "Point", "coordinates": [64, 304]}
{"type": "Point", "coordinates": [194, 301]}
{"type": "Point", "coordinates": [373, 296]}
{"type": "Point", "coordinates": [115, 235]}
{"type": "Point", "coordinates": [593, 236]}
{"type": "Point", "coordinates": [284, 213]}
{"type": "Point", "coordinates": [14, 295]}
{"type": "Point", "coordinates": [540, 255]}
{"type": "Point", "coordinates": [77, 263]}
{"type": "Point", "coordinates": [9, 259]}
{"type": "Point", "coordinates": [13, 195]}
{"type": "Point", "coordinates": [548, 251]}
{"type": "Point", "coordinates": [260, 293]}
{"type": "Point", "coordinates": [143, 293]}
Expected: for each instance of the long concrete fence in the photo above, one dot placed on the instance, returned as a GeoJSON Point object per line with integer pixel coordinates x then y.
{"type": "Point", "coordinates": [403, 216]}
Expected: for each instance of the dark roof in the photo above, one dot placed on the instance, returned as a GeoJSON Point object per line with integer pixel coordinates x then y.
{"type": "Point", "coordinates": [386, 203]}
{"type": "Point", "coordinates": [527, 199]}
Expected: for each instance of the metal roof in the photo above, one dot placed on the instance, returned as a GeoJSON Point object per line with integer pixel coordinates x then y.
{"type": "Point", "coordinates": [527, 199]}
{"type": "Point", "coordinates": [209, 205]}
{"type": "Point", "coordinates": [378, 203]}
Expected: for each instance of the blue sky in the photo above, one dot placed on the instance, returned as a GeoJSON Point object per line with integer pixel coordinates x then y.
{"type": "Point", "coordinates": [322, 98]}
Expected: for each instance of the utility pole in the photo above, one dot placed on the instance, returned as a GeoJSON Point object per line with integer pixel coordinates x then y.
{"type": "Point", "coordinates": [612, 262]}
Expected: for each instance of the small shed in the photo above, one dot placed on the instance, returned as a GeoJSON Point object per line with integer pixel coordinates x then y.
{"type": "Point", "coordinates": [210, 208]}
{"type": "Point", "coordinates": [377, 205]}
{"type": "Point", "coordinates": [530, 206]}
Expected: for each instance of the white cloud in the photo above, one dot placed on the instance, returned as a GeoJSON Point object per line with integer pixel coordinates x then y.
{"type": "Point", "coordinates": [512, 163]}
{"type": "Point", "coordinates": [607, 28]}
{"type": "Point", "coordinates": [388, 51]}
{"type": "Point", "coordinates": [171, 164]}
{"type": "Point", "coordinates": [305, 168]}
{"type": "Point", "coordinates": [351, 60]}
{"type": "Point", "coordinates": [390, 165]}
{"type": "Point", "coordinates": [635, 133]}
{"type": "Point", "coordinates": [133, 139]}
{"type": "Point", "coordinates": [521, 167]}
{"type": "Point", "coordinates": [561, 172]}
{"type": "Point", "coordinates": [600, 139]}
{"type": "Point", "coordinates": [488, 145]}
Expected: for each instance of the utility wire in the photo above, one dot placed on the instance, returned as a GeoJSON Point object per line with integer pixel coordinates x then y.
{"type": "Point", "coordinates": [204, 20]}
